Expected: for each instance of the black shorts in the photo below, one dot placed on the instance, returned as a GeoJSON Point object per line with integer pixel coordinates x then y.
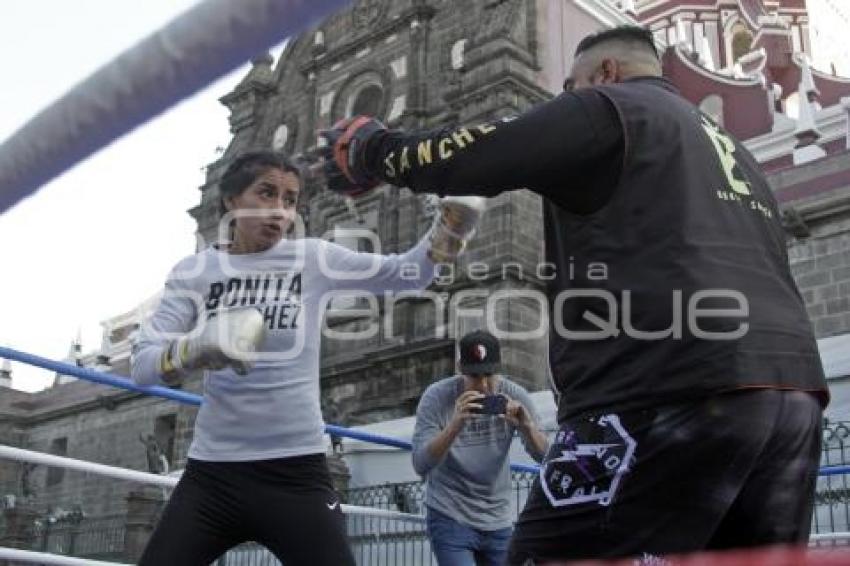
{"type": "Point", "coordinates": [736, 470]}
{"type": "Point", "coordinates": [288, 505]}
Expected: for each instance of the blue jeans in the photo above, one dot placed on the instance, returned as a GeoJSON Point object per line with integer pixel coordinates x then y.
{"type": "Point", "coordinates": [456, 544]}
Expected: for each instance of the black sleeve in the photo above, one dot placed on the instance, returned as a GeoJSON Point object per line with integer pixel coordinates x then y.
{"type": "Point", "coordinates": [543, 150]}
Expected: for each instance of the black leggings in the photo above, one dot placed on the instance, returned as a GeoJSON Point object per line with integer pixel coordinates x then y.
{"type": "Point", "coordinates": [288, 505]}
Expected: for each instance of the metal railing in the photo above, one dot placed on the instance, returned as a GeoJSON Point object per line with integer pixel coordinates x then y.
{"type": "Point", "coordinates": [100, 539]}
{"type": "Point", "coordinates": [832, 498]}
{"type": "Point", "coordinates": [380, 543]}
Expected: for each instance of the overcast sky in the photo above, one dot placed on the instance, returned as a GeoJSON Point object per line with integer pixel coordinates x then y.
{"type": "Point", "coordinates": [99, 240]}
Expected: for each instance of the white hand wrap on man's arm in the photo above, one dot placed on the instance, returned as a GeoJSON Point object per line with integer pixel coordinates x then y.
{"type": "Point", "coordinates": [228, 339]}
{"type": "Point", "coordinates": [455, 226]}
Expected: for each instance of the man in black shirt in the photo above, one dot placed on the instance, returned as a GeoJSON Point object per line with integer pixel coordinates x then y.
{"type": "Point", "coordinates": [689, 385]}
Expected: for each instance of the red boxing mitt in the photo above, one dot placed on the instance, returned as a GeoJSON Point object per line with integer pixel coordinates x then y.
{"type": "Point", "coordinates": [345, 155]}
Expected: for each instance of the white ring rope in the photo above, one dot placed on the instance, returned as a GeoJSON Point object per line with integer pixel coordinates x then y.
{"type": "Point", "coordinates": [174, 62]}
{"type": "Point", "coordinates": [45, 558]}
{"type": "Point", "coordinates": [22, 455]}
{"type": "Point", "coordinates": [19, 454]}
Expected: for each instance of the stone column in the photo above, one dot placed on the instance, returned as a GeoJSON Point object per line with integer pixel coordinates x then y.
{"type": "Point", "coordinates": [143, 509]}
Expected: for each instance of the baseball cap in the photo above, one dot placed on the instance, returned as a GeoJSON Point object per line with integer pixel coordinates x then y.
{"type": "Point", "coordinates": [479, 353]}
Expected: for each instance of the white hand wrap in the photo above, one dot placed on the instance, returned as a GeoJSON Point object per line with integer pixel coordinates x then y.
{"type": "Point", "coordinates": [455, 226]}
{"type": "Point", "coordinates": [228, 339]}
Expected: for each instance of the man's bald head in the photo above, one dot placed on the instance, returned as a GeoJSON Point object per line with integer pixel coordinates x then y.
{"type": "Point", "coordinates": [612, 56]}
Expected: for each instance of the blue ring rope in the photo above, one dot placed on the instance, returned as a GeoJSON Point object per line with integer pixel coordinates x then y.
{"type": "Point", "coordinates": [184, 397]}
{"type": "Point", "coordinates": [193, 399]}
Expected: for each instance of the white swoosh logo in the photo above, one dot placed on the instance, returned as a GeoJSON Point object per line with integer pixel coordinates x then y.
{"type": "Point", "coordinates": [333, 505]}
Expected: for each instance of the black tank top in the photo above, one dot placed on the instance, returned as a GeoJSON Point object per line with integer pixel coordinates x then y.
{"type": "Point", "coordinates": [682, 278]}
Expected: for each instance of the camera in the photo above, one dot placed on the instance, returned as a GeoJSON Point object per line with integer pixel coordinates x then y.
{"type": "Point", "coordinates": [493, 405]}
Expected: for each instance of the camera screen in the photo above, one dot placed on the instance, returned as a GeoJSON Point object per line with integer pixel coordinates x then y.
{"type": "Point", "coordinates": [493, 405]}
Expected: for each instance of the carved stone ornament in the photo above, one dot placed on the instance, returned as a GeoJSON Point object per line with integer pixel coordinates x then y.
{"type": "Point", "coordinates": [367, 13]}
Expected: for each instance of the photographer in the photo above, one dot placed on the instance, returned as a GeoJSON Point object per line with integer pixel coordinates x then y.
{"type": "Point", "coordinates": [464, 428]}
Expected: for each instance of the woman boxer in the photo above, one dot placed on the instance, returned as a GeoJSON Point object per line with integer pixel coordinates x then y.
{"type": "Point", "coordinates": [249, 314]}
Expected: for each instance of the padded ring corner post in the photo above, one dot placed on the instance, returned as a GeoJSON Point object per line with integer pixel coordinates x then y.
{"type": "Point", "coordinates": [174, 62]}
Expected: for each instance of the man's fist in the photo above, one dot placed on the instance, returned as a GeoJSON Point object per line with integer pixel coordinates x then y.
{"type": "Point", "coordinates": [345, 155]}
{"type": "Point", "coordinates": [228, 339]}
{"type": "Point", "coordinates": [467, 405]}
{"type": "Point", "coordinates": [517, 414]}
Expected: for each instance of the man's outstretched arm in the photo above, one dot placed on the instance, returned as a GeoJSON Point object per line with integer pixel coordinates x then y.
{"type": "Point", "coordinates": [539, 150]}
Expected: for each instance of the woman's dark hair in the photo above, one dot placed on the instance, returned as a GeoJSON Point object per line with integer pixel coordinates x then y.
{"type": "Point", "coordinates": [245, 169]}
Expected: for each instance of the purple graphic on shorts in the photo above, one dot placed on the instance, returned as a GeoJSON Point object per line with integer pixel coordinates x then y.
{"type": "Point", "coordinates": [579, 470]}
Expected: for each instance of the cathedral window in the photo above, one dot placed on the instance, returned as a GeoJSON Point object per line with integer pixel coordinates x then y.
{"type": "Point", "coordinates": [458, 52]}
{"type": "Point", "coordinates": [281, 135]}
{"type": "Point", "coordinates": [58, 447]}
{"type": "Point", "coordinates": [367, 101]}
